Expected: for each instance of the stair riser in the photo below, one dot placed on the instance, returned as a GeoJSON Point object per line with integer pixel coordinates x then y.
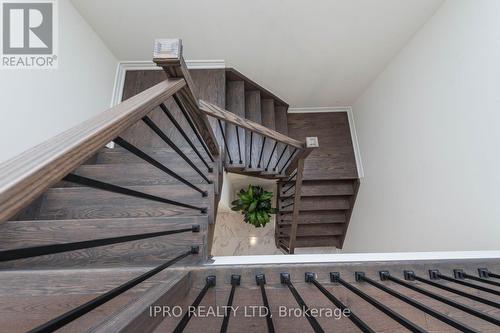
{"type": "Point", "coordinates": [321, 188]}
{"type": "Point", "coordinates": [318, 203]}
{"type": "Point", "coordinates": [313, 230]}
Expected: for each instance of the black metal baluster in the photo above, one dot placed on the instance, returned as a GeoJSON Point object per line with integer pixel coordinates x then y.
{"type": "Point", "coordinates": [251, 148]}
{"type": "Point", "coordinates": [434, 274]}
{"type": "Point", "coordinates": [279, 159]}
{"type": "Point", "coordinates": [485, 273]}
{"type": "Point", "coordinates": [290, 178]}
{"type": "Point", "coordinates": [35, 251]}
{"type": "Point", "coordinates": [238, 138]}
{"type": "Point", "coordinates": [210, 282]}
{"type": "Point", "coordinates": [270, 156]}
{"type": "Point", "coordinates": [288, 160]}
{"type": "Point", "coordinates": [360, 276]}
{"type": "Point", "coordinates": [288, 197]}
{"type": "Point", "coordinates": [193, 127]}
{"type": "Point", "coordinates": [169, 142]}
{"type": "Point", "coordinates": [225, 142]}
{"type": "Point", "coordinates": [285, 279]}
{"type": "Point", "coordinates": [335, 277]}
{"type": "Point", "coordinates": [460, 274]}
{"type": "Point", "coordinates": [311, 278]}
{"type": "Point", "coordinates": [262, 151]}
{"type": "Point", "coordinates": [410, 276]}
{"type": "Point", "coordinates": [79, 311]}
{"type": "Point", "coordinates": [288, 189]}
{"type": "Point", "coordinates": [261, 281]}
{"type": "Point", "coordinates": [184, 135]}
{"type": "Point", "coordinates": [139, 153]}
{"type": "Point", "coordinates": [235, 281]}
{"type": "Point", "coordinates": [125, 191]}
{"type": "Point", "coordinates": [384, 275]}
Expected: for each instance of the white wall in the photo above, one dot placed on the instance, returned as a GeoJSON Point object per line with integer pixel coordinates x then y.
{"type": "Point", "coordinates": [38, 104]}
{"type": "Point", "coordinates": [286, 46]}
{"type": "Point", "coordinates": [429, 133]}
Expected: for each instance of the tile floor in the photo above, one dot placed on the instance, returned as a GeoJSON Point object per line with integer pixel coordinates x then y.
{"type": "Point", "coordinates": [234, 237]}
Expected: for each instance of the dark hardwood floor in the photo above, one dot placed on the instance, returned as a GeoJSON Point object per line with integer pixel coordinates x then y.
{"type": "Point", "coordinates": [334, 159]}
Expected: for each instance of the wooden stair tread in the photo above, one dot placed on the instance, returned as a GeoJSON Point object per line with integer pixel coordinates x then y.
{"type": "Point", "coordinates": [49, 293]}
{"type": "Point", "coordinates": [323, 188]}
{"type": "Point", "coordinates": [134, 174]}
{"type": "Point", "coordinates": [253, 113]}
{"type": "Point", "coordinates": [313, 229]}
{"type": "Point", "coordinates": [88, 203]}
{"type": "Point", "coordinates": [170, 291]}
{"type": "Point", "coordinates": [166, 156]}
{"type": "Point", "coordinates": [319, 203]}
{"type": "Point", "coordinates": [235, 103]}
{"type": "Point", "coordinates": [315, 241]}
{"type": "Point", "coordinates": [312, 217]}
{"type": "Point", "coordinates": [268, 120]}
{"type": "Point", "coordinates": [15, 234]}
{"type": "Point", "coordinates": [326, 168]}
{"type": "Point", "coordinates": [151, 251]}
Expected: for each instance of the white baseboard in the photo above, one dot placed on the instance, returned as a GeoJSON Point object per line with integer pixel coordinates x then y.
{"type": "Point", "coordinates": [352, 128]}
{"type": "Point", "coordinates": [354, 257]}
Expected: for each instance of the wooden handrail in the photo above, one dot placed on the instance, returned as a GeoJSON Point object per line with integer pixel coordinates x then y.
{"type": "Point", "coordinates": [219, 113]}
{"type": "Point", "coordinates": [25, 177]}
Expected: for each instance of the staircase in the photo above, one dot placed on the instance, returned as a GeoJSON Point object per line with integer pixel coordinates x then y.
{"type": "Point", "coordinates": [94, 239]}
{"type": "Point", "coordinates": [88, 231]}
{"type": "Point", "coordinates": [325, 210]}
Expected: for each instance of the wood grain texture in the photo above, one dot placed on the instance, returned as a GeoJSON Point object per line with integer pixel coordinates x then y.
{"type": "Point", "coordinates": [334, 159]}
{"type": "Point", "coordinates": [26, 176]}
{"type": "Point", "coordinates": [352, 200]}
{"type": "Point", "coordinates": [248, 294]}
{"type": "Point", "coordinates": [253, 145]}
{"type": "Point", "coordinates": [140, 134]}
{"type": "Point", "coordinates": [233, 75]}
{"type": "Point", "coordinates": [146, 252]}
{"type": "Point", "coordinates": [268, 120]}
{"type": "Point", "coordinates": [136, 318]}
{"type": "Point", "coordinates": [235, 103]}
{"type": "Point", "coordinates": [229, 117]}
{"type": "Point", "coordinates": [211, 87]}
{"type": "Point", "coordinates": [135, 174]}
{"type": "Point", "coordinates": [188, 96]}
{"type": "Point", "coordinates": [281, 124]}
{"type": "Point", "coordinates": [89, 203]}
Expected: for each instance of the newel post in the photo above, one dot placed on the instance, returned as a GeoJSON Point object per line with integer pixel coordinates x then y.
{"type": "Point", "coordinates": [167, 54]}
{"type": "Point", "coordinates": [310, 144]}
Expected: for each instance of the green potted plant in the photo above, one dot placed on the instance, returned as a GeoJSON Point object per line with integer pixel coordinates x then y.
{"type": "Point", "coordinates": [255, 205]}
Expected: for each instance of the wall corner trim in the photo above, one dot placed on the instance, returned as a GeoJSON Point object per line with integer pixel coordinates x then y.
{"type": "Point", "coordinates": [352, 128]}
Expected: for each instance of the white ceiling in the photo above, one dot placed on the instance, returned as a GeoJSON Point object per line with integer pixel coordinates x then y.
{"type": "Point", "coordinates": [311, 53]}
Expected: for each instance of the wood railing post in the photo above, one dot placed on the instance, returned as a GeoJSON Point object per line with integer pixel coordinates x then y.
{"type": "Point", "coordinates": [296, 205]}
{"type": "Point", "coordinates": [311, 144]}
{"type": "Point", "coordinates": [298, 164]}
{"type": "Point", "coordinates": [168, 55]}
